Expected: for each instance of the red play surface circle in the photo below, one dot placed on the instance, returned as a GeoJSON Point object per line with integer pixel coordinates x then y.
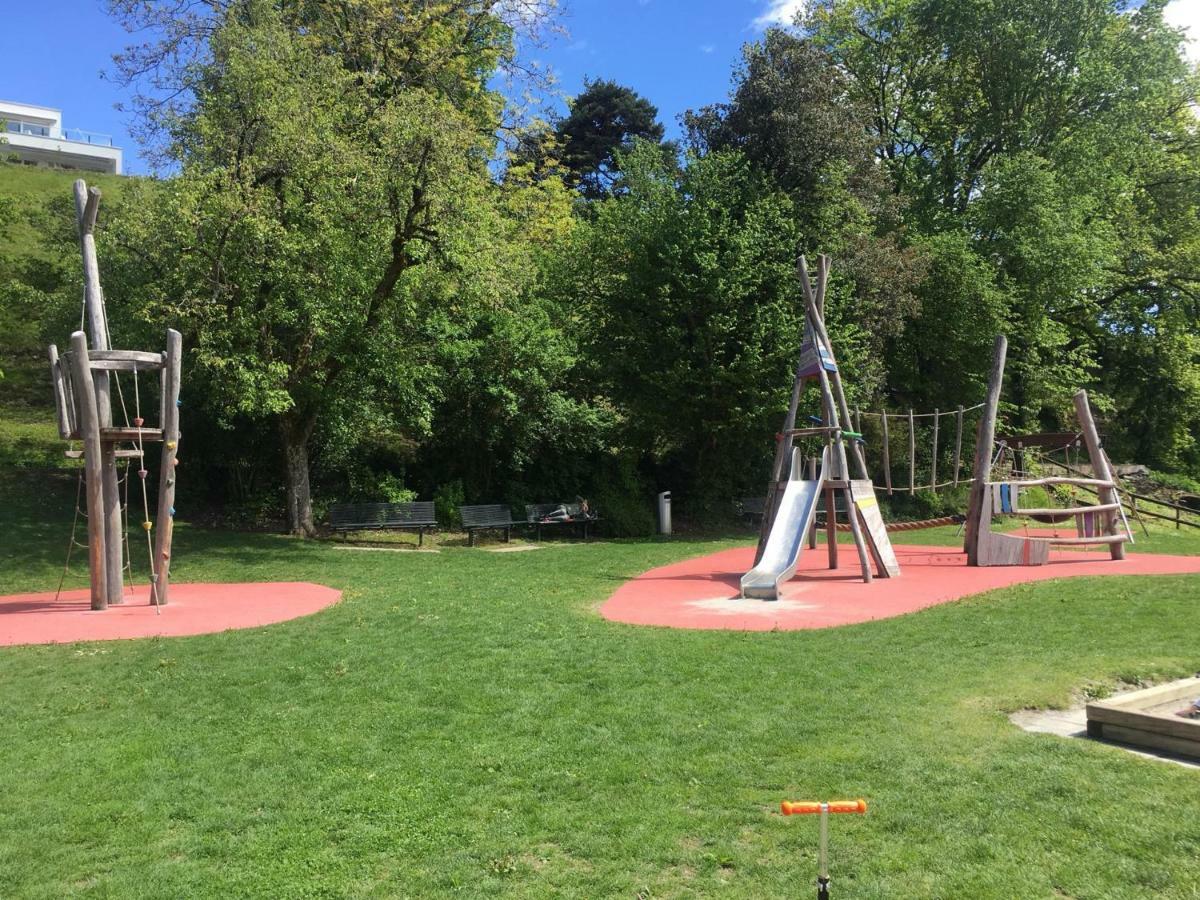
{"type": "Point", "coordinates": [193, 609]}
{"type": "Point", "coordinates": [703, 592]}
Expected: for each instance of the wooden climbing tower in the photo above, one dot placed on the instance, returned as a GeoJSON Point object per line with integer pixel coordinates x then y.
{"type": "Point", "coordinates": [84, 378]}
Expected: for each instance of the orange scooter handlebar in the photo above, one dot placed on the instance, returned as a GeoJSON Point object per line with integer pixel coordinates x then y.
{"type": "Point", "coordinates": [805, 807]}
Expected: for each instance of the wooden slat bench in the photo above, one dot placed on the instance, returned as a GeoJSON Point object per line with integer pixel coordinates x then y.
{"type": "Point", "coordinates": [417, 516]}
{"type": "Point", "coordinates": [486, 516]}
{"type": "Point", "coordinates": [751, 509]}
{"type": "Point", "coordinates": [539, 514]}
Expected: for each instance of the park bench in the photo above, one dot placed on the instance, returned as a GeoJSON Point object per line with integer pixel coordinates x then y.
{"type": "Point", "coordinates": [751, 508]}
{"type": "Point", "coordinates": [418, 516]}
{"type": "Point", "coordinates": [486, 516]}
{"type": "Point", "coordinates": [539, 514]}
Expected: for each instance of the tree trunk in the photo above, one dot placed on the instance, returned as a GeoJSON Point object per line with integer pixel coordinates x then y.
{"type": "Point", "coordinates": [295, 431]}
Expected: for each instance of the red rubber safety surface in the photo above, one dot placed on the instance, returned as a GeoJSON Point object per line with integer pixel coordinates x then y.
{"type": "Point", "coordinates": [193, 609]}
{"type": "Point", "coordinates": [703, 592]}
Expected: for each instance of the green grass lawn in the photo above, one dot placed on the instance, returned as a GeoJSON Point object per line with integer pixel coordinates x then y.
{"type": "Point", "coordinates": [465, 723]}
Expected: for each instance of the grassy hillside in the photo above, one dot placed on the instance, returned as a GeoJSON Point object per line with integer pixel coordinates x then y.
{"type": "Point", "coordinates": [33, 189]}
{"type": "Point", "coordinates": [35, 212]}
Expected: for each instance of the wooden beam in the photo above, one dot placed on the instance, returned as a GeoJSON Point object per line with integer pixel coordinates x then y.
{"type": "Point", "coordinates": [146, 359]}
{"type": "Point", "coordinates": [912, 453]}
{"type": "Point", "coordinates": [985, 435]}
{"type": "Point", "coordinates": [1078, 482]}
{"type": "Point", "coordinates": [1101, 468]}
{"type": "Point", "coordinates": [933, 464]}
{"type": "Point", "coordinates": [1066, 511]}
{"type": "Point", "coordinates": [89, 430]}
{"type": "Point", "coordinates": [166, 474]}
{"type": "Point", "coordinates": [839, 395]}
{"type": "Point", "coordinates": [887, 457]}
{"type": "Point", "coordinates": [65, 431]}
{"type": "Point", "coordinates": [131, 434]}
{"type": "Point", "coordinates": [87, 206]}
{"type": "Point", "coordinates": [958, 444]}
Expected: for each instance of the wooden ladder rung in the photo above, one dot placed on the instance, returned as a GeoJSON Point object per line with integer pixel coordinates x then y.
{"type": "Point", "coordinates": [1098, 539]}
{"type": "Point", "coordinates": [1070, 511]}
{"type": "Point", "coordinates": [120, 454]}
{"type": "Point", "coordinates": [130, 434]}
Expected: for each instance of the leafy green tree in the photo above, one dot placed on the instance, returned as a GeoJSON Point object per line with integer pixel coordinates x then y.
{"type": "Point", "coordinates": [604, 120]}
{"type": "Point", "coordinates": [691, 324]}
{"type": "Point", "coordinates": [793, 116]}
{"type": "Point", "coordinates": [333, 184]}
{"type": "Point", "coordinates": [1055, 142]}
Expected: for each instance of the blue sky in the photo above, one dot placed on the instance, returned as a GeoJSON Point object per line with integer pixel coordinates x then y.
{"type": "Point", "coordinates": [677, 53]}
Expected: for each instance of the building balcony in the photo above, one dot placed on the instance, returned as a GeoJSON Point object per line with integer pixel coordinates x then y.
{"type": "Point", "coordinates": [34, 135]}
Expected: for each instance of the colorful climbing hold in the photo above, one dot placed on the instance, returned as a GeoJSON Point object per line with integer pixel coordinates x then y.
{"type": "Point", "coordinates": [137, 421]}
{"type": "Point", "coordinates": [179, 403]}
{"type": "Point", "coordinates": [142, 473]}
{"type": "Point", "coordinates": [147, 525]}
{"type": "Point", "coordinates": [171, 445]}
{"type": "Point", "coordinates": [172, 512]}
{"type": "Point", "coordinates": [175, 461]}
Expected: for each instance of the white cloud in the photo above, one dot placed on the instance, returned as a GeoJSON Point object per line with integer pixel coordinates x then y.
{"type": "Point", "coordinates": [783, 12]}
{"type": "Point", "coordinates": [707, 48]}
{"type": "Point", "coordinates": [1186, 14]}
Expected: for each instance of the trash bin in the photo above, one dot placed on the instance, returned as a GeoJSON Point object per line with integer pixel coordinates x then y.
{"type": "Point", "coordinates": [664, 512]}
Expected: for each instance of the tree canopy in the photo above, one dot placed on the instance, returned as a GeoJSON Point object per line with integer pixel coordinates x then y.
{"type": "Point", "coordinates": [382, 298]}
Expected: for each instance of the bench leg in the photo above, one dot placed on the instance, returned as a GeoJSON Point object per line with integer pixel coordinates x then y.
{"type": "Point", "coordinates": [420, 537]}
{"type": "Point", "coordinates": [470, 537]}
{"type": "Point", "coordinates": [506, 531]}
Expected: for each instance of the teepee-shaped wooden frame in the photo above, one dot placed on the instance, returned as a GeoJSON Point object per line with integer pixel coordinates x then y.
{"type": "Point", "coordinates": [818, 363]}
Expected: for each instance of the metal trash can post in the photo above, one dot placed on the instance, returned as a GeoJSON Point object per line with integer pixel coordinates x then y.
{"type": "Point", "coordinates": [664, 512]}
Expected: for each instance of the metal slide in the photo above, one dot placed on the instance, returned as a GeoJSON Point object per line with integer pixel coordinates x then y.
{"type": "Point", "coordinates": [795, 517]}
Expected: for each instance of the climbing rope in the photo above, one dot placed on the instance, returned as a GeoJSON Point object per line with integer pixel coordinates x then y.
{"type": "Point", "coordinates": [147, 525]}
{"type": "Point", "coordinates": [915, 525]}
{"type": "Point", "coordinates": [71, 544]}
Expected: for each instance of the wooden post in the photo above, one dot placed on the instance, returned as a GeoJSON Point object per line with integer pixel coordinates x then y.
{"type": "Point", "coordinates": [887, 454]}
{"type": "Point", "coordinates": [831, 525]}
{"type": "Point", "coordinates": [61, 412]}
{"type": "Point", "coordinates": [1101, 470]}
{"type": "Point", "coordinates": [818, 323]}
{"type": "Point", "coordinates": [912, 453]}
{"type": "Point", "coordinates": [166, 474]}
{"type": "Point", "coordinates": [87, 206]}
{"type": "Point", "coordinates": [89, 431]}
{"type": "Point", "coordinates": [958, 444]}
{"type": "Point", "coordinates": [933, 464]}
{"type": "Point", "coordinates": [862, 442]}
{"type": "Point", "coordinates": [783, 453]}
{"type": "Point", "coordinates": [822, 283]}
{"type": "Point", "coordinates": [812, 531]}
{"type": "Point", "coordinates": [984, 438]}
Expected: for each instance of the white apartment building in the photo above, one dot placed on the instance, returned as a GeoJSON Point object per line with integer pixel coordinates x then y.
{"type": "Point", "coordinates": [35, 135]}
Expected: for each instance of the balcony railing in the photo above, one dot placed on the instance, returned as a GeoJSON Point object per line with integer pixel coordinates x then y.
{"type": "Point", "coordinates": [28, 128]}
{"type": "Point", "coordinates": [75, 135]}
{"type": "Point", "coordinates": [87, 137]}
